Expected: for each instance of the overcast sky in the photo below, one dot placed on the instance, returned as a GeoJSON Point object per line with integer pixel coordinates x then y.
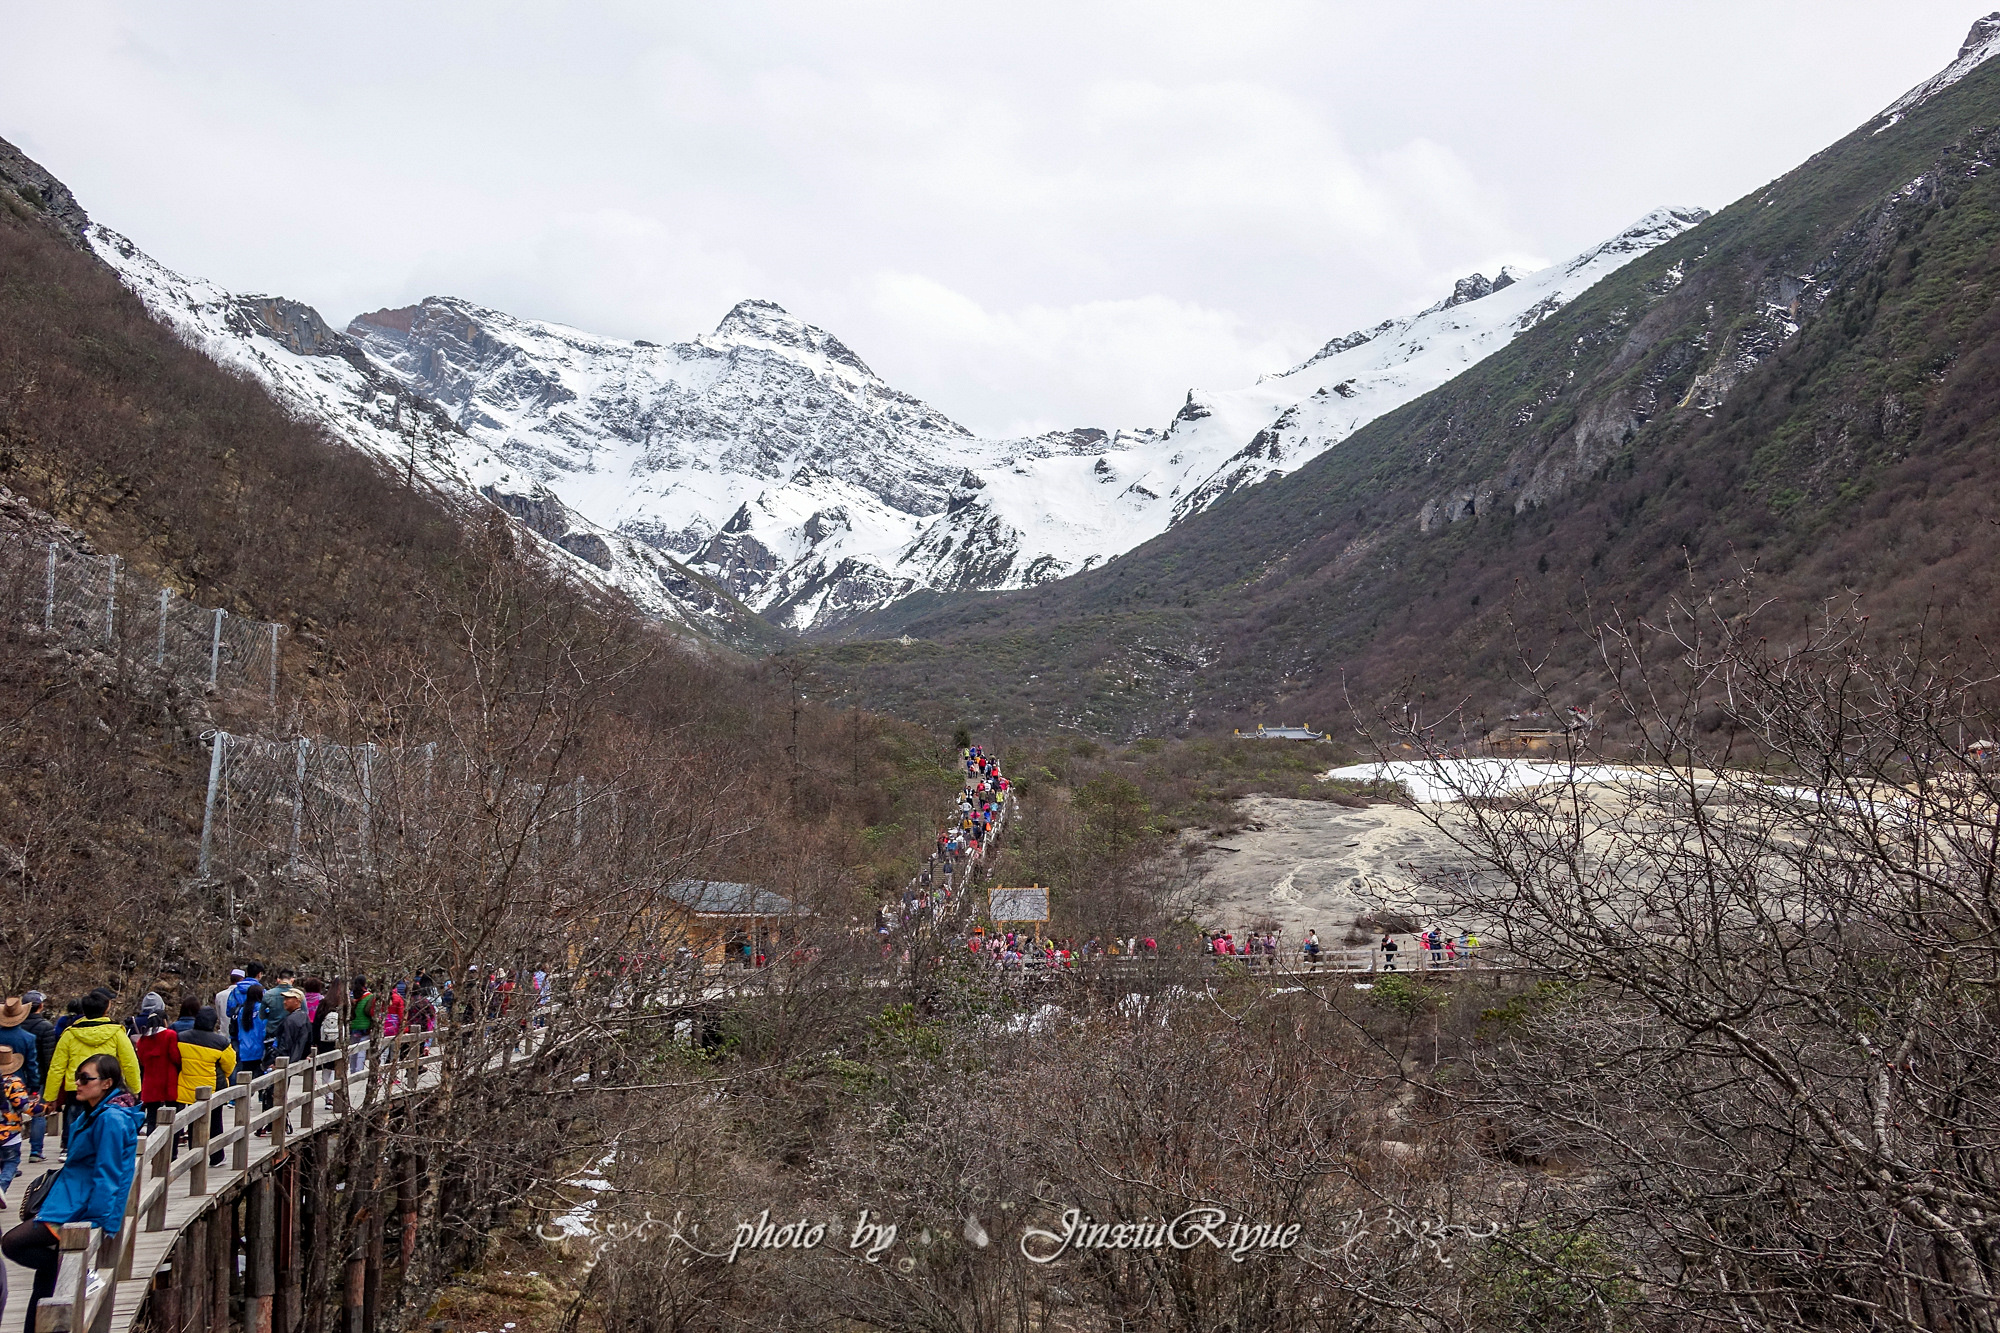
{"type": "Point", "coordinates": [1030, 214]}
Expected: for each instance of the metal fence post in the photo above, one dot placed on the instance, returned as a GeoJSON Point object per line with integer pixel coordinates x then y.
{"type": "Point", "coordinates": [215, 646]}
{"type": "Point", "coordinates": [166, 596]}
{"type": "Point", "coordinates": [368, 806]}
{"type": "Point", "coordinates": [299, 803]}
{"type": "Point", "coordinates": [218, 740]}
{"type": "Point", "coordinates": [49, 606]}
{"type": "Point", "coordinates": [274, 664]}
{"type": "Point", "coordinates": [111, 601]}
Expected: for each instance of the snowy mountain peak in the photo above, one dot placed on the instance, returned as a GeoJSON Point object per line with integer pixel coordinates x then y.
{"type": "Point", "coordinates": [324, 376]}
{"type": "Point", "coordinates": [1662, 224]}
{"type": "Point", "coordinates": [755, 323]}
{"type": "Point", "coordinates": [1221, 442]}
{"type": "Point", "coordinates": [1981, 44]}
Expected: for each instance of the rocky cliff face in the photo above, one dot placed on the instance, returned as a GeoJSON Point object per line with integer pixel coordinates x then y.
{"type": "Point", "coordinates": [31, 192]}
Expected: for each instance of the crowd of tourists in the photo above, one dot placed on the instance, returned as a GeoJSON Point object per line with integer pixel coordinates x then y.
{"type": "Point", "coordinates": [109, 1080]}
{"type": "Point", "coordinates": [978, 812]}
{"type": "Point", "coordinates": [1433, 948]}
{"type": "Point", "coordinates": [1016, 951]}
{"type": "Point", "coordinates": [1436, 947]}
{"type": "Point", "coordinates": [961, 845]}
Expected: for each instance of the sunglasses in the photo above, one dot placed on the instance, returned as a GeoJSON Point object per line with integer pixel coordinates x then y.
{"type": "Point", "coordinates": [82, 1079]}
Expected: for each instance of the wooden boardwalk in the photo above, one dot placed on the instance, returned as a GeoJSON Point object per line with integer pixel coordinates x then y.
{"type": "Point", "coordinates": [171, 1193]}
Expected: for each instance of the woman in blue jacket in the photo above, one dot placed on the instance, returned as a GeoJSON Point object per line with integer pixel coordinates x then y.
{"type": "Point", "coordinates": [94, 1183]}
{"type": "Point", "coordinates": [249, 1031]}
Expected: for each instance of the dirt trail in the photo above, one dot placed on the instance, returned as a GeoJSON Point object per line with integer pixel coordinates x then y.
{"type": "Point", "coordinates": [1316, 865]}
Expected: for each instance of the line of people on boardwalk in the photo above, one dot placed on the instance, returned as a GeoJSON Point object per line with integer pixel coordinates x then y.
{"type": "Point", "coordinates": [1256, 948]}
{"type": "Point", "coordinates": [961, 845]}
{"type": "Point", "coordinates": [1015, 951]}
{"type": "Point", "coordinates": [1437, 947]}
{"type": "Point", "coordinates": [114, 1079]}
{"type": "Point", "coordinates": [978, 810]}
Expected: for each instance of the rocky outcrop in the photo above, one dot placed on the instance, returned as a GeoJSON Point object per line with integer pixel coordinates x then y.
{"type": "Point", "coordinates": [33, 194]}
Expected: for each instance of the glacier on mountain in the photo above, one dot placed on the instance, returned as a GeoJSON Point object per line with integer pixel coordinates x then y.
{"type": "Point", "coordinates": [770, 458]}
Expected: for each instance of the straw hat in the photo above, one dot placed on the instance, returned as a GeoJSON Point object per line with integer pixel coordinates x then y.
{"type": "Point", "coordinates": [13, 1013]}
{"type": "Point", "coordinates": [11, 1060]}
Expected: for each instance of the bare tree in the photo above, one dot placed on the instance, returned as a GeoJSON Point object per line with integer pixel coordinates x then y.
{"type": "Point", "coordinates": [1769, 947]}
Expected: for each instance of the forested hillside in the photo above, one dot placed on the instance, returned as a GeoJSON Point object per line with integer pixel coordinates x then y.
{"type": "Point", "coordinates": [1802, 388]}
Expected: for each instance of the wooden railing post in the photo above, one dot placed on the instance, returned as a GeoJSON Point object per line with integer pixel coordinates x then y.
{"type": "Point", "coordinates": [283, 1102]}
{"type": "Point", "coordinates": [166, 1298]}
{"type": "Point", "coordinates": [163, 1162]}
{"type": "Point", "coordinates": [198, 1135]}
{"type": "Point", "coordinates": [191, 1260]}
{"type": "Point", "coordinates": [128, 1234]}
{"type": "Point", "coordinates": [309, 1092]}
{"type": "Point", "coordinates": [285, 1307]}
{"type": "Point", "coordinates": [68, 1306]}
{"type": "Point", "coordinates": [239, 1156]}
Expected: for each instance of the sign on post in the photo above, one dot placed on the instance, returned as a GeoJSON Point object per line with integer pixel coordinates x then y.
{"type": "Point", "coordinates": [1030, 904]}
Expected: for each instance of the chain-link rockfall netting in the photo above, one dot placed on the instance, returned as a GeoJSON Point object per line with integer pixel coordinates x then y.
{"type": "Point", "coordinates": [306, 826]}
{"type": "Point", "coordinates": [313, 811]}
{"type": "Point", "coordinates": [90, 602]}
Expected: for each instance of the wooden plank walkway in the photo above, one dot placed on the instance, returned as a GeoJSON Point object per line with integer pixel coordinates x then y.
{"type": "Point", "coordinates": [170, 1193]}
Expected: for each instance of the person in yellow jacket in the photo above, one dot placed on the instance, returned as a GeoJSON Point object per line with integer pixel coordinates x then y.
{"type": "Point", "coordinates": [92, 1034]}
{"type": "Point", "coordinates": [207, 1058]}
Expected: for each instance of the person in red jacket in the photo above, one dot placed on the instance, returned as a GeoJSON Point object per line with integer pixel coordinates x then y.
{"type": "Point", "coordinates": [159, 1050]}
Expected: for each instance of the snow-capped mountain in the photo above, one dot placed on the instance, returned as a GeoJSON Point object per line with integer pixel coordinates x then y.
{"type": "Point", "coordinates": [768, 456]}
{"type": "Point", "coordinates": [1222, 441]}
{"type": "Point", "coordinates": [321, 375]}
{"type": "Point", "coordinates": [766, 453]}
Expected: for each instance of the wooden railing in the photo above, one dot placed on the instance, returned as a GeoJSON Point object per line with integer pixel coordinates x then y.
{"type": "Point", "coordinates": [390, 1067]}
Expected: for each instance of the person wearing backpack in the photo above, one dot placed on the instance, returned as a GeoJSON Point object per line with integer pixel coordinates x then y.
{"type": "Point", "coordinates": [232, 1000]}
{"type": "Point", "coordinates": [92, 1185]}
{"type": "Point", "coordinates": [248, 1033]}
